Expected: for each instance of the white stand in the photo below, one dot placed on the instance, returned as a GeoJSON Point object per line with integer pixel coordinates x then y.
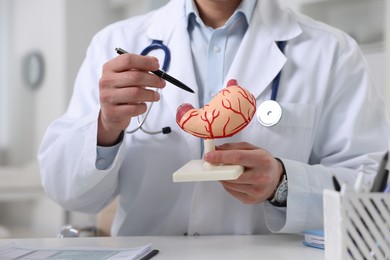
{"type": "Point", "coordinates": [356, 225]}
{"type": "Point", "coordinates": [199, 170]}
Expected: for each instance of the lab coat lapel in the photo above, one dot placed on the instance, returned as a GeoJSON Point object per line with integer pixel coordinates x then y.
{"type": "Point", "coordinates": [258, 59]}
{"type": "Point", "coordinates": [257, 62]}
{"type": "Point", "coordinates": [174, 34]}
{"type": "Point", "coordinates": [182, 68]}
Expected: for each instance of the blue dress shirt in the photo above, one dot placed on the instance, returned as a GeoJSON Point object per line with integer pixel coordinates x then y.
{"type": "Point", "coordinates": [213, 50]}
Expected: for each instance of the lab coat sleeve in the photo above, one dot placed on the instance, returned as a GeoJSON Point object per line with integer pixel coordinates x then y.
{"type": "Point", "coordinates": [351, 135]}
{"type": "Point", "coordinates": [67, 155]}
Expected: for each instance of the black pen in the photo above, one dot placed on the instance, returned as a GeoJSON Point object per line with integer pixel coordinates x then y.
{"type": "Point", "coordinates": [163, 75]}
{"type": "Point", "coordinates": [150, 255]}
{"type": "Point", "coordinates": [336, 183]}
{"type": "Point", "coordinates": [381, 176]}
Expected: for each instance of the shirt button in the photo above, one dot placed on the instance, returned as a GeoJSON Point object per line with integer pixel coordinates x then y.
{"type": "Point", "coordinates": [101, 161]}
{"type": "Point", "coordinates": [216, 49]}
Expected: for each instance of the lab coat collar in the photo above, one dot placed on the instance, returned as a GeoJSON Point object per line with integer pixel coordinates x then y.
{"type": "Point", "coordinates": [258, 59]}
{"type": "Point", "coordinates": [166, 20]}
{"type": "Point", "coordinates": [280, 23]}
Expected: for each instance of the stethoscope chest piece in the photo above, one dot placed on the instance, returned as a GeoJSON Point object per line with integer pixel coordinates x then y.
{"type": "Point", "coordinates": [269, 113]}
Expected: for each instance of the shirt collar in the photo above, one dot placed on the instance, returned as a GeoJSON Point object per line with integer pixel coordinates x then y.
{"type": "Point", "coordinates": [246, 8]}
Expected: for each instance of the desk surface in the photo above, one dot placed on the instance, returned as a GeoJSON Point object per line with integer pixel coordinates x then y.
{"type": "Point", "coordinates": [279, 247]}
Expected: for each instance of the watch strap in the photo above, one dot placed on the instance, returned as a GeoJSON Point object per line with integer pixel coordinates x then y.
{"type": "Point", "coordinates": [282, 181]}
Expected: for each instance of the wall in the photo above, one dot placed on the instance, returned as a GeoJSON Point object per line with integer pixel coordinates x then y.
{"type": "Point", "coordinates": [29, 109]}
{"type": "Point", "coordinates": [61, 31]}
{"type": "Point", "coordinates": [63, 42]}
{"type": "Point", "coordinates": [4, 45]}
{"type": "Point", "coordinates": [130, 8]}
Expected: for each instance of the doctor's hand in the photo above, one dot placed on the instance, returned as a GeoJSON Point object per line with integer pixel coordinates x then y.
{"type": "Point", "coordinates": [261, 174]}
{"type": "Point", "coordinates": [123, 93]}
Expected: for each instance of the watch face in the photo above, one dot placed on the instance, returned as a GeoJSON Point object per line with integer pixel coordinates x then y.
{"type": "Point", "coordinates": [281, 193]}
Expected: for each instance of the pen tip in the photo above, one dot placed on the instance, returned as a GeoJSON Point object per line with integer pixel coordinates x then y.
{"type": "Point", "coordinates": [120, 51]}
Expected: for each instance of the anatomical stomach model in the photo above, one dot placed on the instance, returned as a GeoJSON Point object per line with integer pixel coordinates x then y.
{"type": "Point", "coordinates": [228, 113]}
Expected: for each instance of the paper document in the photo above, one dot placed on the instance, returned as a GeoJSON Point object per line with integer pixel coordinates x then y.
{"type": "Point", "coordinates": [14, 251]}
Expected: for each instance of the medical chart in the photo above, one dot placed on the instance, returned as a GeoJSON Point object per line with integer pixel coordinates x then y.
{"type": "Point", "coordinates": [14, 251]}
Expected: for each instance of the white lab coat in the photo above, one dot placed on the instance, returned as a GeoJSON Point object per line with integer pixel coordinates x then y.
{"type": "Point", "coordinates": [333, 123]}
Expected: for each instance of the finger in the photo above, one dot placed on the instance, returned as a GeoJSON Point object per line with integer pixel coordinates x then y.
{"type": "Point", "coordinates": [256, 192]}
{"type": "Point", "coordinates": [131, 61]}
{"type": "Point", "coordinates": [120, 111]}
{"type": "Point", "coordinates": [118, 117]}
{"type": "Point", "coordinates": [246, 158]}
{"type": "Point", "coordinates": [129, 95]}
{"type": "Point", "coordinates": [238, 187]}
{"type": "Point", "coordinates": [242, 196]}
{"type": "Point", "coordinates": [139, 78]}
{"type": "Point", "coordinates": [250, 177]}
{"type": "Point", "coordinates": [236, 146]}
{"type": "Point", "coordinates": [130, 78]}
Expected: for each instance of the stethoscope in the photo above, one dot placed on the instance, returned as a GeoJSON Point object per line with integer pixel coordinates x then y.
{"type": "Point", "coordinates": [270, 112]}
{"type": "Point", "coordinates": [155, 45]}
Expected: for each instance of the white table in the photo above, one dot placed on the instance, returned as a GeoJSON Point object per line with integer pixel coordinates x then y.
{"type": "Point", "coordinates": [273, 247]}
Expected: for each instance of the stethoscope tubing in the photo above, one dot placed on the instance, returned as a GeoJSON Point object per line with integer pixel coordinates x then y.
{"type": "Point", "coordinates": [155, 45]}
{"type": "Point", "coordinates": [276, 82]}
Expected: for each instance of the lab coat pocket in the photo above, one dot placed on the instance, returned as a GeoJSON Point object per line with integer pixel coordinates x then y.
{"type": "Point", "coordinates": [292, 137]}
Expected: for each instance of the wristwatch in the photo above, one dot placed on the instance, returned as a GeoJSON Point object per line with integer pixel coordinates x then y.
{"type": "Point", "coordinates": [280, 197]}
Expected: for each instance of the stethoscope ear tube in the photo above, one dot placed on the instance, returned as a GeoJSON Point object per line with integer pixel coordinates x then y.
{"type": "Point", "coordinates": [155, 45]}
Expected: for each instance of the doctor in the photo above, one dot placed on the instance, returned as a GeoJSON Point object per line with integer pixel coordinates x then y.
{"type": "Point", "coordinates": [332, 122]}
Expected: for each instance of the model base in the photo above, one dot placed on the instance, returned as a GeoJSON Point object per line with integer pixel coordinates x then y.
{"type": "Point", "coordinates": [199, 170]}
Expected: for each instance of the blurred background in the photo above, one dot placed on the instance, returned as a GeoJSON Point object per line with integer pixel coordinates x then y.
{"type": "Point", "coordinates": [42, 44]}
